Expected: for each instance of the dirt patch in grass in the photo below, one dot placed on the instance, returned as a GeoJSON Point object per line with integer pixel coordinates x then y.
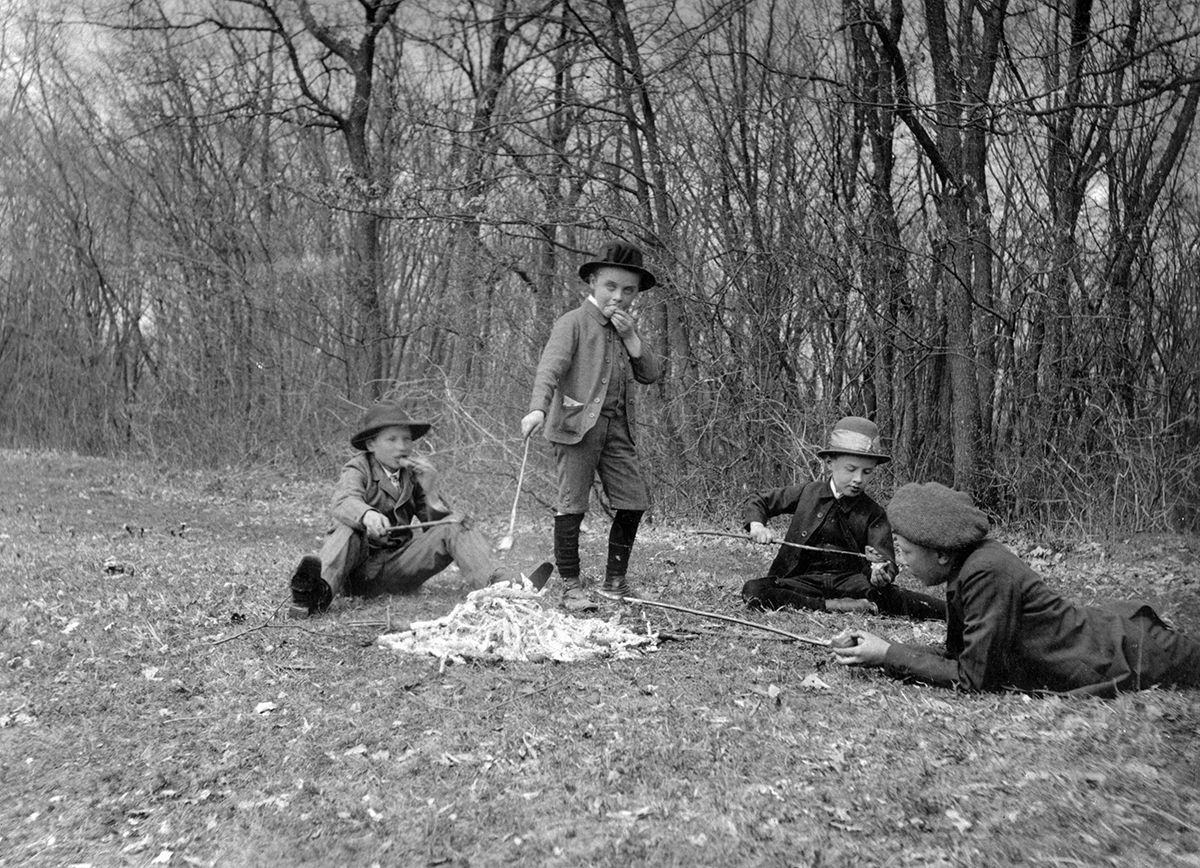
{"type": "Point", "coordinates": [155, 710]}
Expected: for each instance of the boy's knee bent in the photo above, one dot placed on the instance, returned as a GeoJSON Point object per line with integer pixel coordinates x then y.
{"type": "Point", "coordinates": [756, 591]}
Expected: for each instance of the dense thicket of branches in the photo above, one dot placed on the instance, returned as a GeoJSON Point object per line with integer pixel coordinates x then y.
{"type": "Point", "coordinates": [228, 223]}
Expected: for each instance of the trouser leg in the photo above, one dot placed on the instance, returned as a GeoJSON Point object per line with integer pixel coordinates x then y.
{"type": "Point", "coordinates": [1184, 653]}
{"type": "Point", "coordinates": [473, 554]}
{"type": "Point", "coordinates": [343, 552]}
{"type": "Point", "coordinates": [620, 541]}
{"type": "Point", "coordinates": [767, 593]}
{"type": "Point", "coordinates": [431, 551]}
{"type": "Point", "coordinates": [1165, 656]}
{"type": "Point", "coordinates": [619, 469]}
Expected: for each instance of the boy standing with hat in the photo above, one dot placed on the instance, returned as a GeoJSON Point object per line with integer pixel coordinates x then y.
{"type": "Point", "coordinates": [381, 490]}
{"type": "Point", "coordinates": [583, 399]}
{"type": "Point", "coordinates": [835, 513]}
{"type": "Point", "coordinates": [1005, 628]}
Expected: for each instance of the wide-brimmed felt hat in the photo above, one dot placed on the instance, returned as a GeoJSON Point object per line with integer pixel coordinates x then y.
{"type": "Point", "coordinates": [383, 415]}
{"type": "Point", "coordinates": [935, 516]}
{"type": "Point", "coordinates": [855, 435]}
{"type": "Point", "coordinates": [618, 254]}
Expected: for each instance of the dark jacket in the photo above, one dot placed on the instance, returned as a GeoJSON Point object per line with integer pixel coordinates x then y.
{"type": "Point", "coordinates": [572, 375]}
{"type": "Point", "coordinates": [1005, 628]}
{"type": "Point", "coordinates": [857, 523]}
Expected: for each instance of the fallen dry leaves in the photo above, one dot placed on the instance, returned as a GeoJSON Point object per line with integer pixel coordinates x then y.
{"type": "Point", "coordinates": [162, 714]}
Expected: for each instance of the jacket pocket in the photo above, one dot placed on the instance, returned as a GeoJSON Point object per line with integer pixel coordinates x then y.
{"type": "Point", "coordinates": [572, 415]}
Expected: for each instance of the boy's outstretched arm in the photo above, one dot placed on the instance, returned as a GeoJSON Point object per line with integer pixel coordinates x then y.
{"type": "Point", "coordinates": [900, 661]}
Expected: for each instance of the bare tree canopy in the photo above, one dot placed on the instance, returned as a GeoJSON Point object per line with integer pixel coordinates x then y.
{"type": "Point", "coordinates": [233, 222]}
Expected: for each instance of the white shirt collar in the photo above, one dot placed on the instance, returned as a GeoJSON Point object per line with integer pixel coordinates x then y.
{"type": "Point", "coordinates": [837, 495]}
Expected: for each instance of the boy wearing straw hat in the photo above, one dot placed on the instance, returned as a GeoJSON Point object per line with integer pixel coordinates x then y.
{"type": "Point", "coordinates": [583, 398]}
{"type": "Point", "coordinates": [834, 513]}
{"type": "Point", "coordinates": [1005, 628]}
{"type": "Point", "coordinates": [381, 490]}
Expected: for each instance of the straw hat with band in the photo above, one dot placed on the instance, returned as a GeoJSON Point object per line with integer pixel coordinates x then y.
{"type": "Point", "coordinates": [382, 416]}
{"type": "Point", "coordinates": [854, 435]}
{"type": "Point", "coordinates": [617, 254]}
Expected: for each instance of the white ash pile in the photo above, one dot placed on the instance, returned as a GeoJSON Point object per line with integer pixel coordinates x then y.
{"type": "Point", "coordinates": [507, 622]}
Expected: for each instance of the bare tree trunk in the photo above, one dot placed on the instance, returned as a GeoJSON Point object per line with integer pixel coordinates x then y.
{"type": "Point", "coordinates": [650, 169]}
{"type": "Point", "coordinates": [963, 71]}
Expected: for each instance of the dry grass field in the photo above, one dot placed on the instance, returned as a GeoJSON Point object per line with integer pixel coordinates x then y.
{"type": "Point", "coordinates": [155, 709]}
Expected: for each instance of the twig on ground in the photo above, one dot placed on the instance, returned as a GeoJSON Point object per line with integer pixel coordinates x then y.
{"type": "Point", "coordinates": [225, 639]}
{"type": "Point", "coordinates": [527, 693]}
{"type": "Point", "coordinates": [271, 623]}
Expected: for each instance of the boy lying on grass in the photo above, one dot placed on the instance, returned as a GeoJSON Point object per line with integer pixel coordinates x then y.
{"type": "Point", "coordinates": [370, 550]}
{"type": "Point", "coordinates": [1005, 629]}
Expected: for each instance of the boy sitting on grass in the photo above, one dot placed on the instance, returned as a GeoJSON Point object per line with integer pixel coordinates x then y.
{"type": "Point", "coordinates": [381, 490]}
{"type": "Point", "coordinates": [834, 513]}
{"type": "Point", "coordinates": [1005, 629]}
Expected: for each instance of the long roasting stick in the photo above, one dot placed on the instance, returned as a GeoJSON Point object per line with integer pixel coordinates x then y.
{"type": "Point", "coordinates": [782, 542]}
{"type": "Point", "coordinates": [824, 643]}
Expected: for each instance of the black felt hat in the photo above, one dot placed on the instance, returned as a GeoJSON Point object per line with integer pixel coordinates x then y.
{"type": "Point", "coordinates": [383, 415]}
{"type": "Point", "coordinates": [618, 254]}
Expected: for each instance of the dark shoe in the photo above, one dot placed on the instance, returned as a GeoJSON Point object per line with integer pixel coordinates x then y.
{"type": "Point", "coordinates": [616, 587]}
{"type": "Point", "coordinates": [574, 597]}
{"type": "Point", "coordinates": [309, 591]}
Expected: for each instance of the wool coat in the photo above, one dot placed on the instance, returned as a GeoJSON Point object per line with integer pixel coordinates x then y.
{"type": "Point", "coordinates": [1005, 628]}
{"type": "Point", "coordinates": [573, 374]}
{"type": "Point", "coordinates": [858, 522]}
{"type": "Point", "coordinates": [364, 485]}
{"type": "Point", "coordinates": [350, 563]}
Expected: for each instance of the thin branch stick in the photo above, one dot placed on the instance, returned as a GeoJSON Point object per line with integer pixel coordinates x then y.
{"type": "Point", "coordinates": [264, 625]}
{"type": "Point", "coordinates": [824, 643]}
{"type": "Point", "coordinates": [417, 525]}
{"type": "Point", "coordinates": [781, 542]}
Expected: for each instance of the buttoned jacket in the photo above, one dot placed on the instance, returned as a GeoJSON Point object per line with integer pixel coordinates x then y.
{"type": "Point", "coordinates": [863, 523]}
{"type": "Point", "coordinates": [1005, 628]}
{"type": "Point", "coordinates": [572, 375]}
{"type": "Point", "coordinates": [364, 485]}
